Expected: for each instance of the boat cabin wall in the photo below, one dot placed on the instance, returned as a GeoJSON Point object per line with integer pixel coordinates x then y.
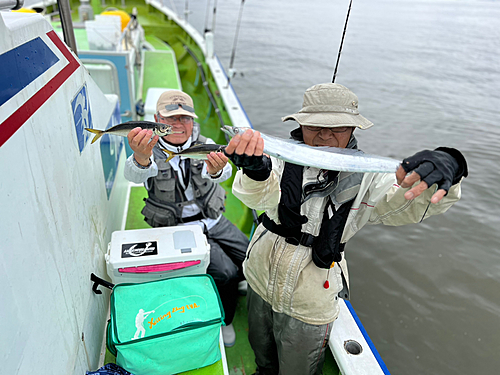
{"type": "Point", "coordinates": [60, 199]}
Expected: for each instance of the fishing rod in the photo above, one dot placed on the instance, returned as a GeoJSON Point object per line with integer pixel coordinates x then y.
{"type": "Point", "coordinates": [233, 53]}
{"type": "Point", "coordinates": [213, 16]}
{"type": "Point", "coordinates": [207, 13]}
{"type": "Point", "coordinates": [342, 42]}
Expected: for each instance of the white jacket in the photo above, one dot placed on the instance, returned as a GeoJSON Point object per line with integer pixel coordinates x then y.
{"type": "Point", "coordinates": [284, 275]}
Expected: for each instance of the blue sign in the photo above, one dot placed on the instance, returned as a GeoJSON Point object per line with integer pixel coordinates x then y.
{"type": "Point", "coordinates": [111, 147]}
{"type": "Point", "coordinates": [33, 59]}
{"type": "Point", "coordinates": [82, 116]}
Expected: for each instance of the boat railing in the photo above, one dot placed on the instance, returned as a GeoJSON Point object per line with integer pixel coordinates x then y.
{"type": "Point", "coordinates": [126, 35]}
{"type": "Point", "coordinates": [11, 4]}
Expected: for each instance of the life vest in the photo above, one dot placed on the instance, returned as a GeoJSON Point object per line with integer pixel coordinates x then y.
{"type": "Point", "coordinates": [337, 187]}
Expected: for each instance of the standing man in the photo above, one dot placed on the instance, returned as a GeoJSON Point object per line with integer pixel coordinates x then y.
{"type": "Point", "coordinates": [294, 264]}
{"type": "Point", "coordinates": [184, 191]}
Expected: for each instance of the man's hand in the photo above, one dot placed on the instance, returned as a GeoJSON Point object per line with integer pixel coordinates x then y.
{"type": "Point", "coordinates": [413, 177]}
{"type": "Point", "coordinates": [250, 143]}
{"type": "Point", "coordinates": [216, 162]}
{"type": "Point", "coordinates": [247, 152]}
{"type": "Point", "coordinates": [443, 166]}
{"type": "Point", "coordinates": [139, 141]}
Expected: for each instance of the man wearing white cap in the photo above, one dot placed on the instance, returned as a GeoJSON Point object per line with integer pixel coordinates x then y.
{"type": "Point", "coordinates": [294, 265]}
{"type": "Point", "coordinates": [187, 191]}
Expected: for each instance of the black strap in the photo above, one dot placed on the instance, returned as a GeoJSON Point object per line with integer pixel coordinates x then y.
{"type": "Point", "coordinates": [291, 197]}
{"type": "Point", "coordinates": [292, 236]}
{"type": "Point", "coordinates": [186, 171]}
{"type": "Point", "coordinates": [98, 281]}
{"type": "Point", "coordinates": [188, 219]}
{"type": "Point", "coordinates": [327, 248]}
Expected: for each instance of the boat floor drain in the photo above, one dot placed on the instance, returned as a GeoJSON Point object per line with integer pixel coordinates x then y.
{"type": "Point", "coordinates": [353, 347]}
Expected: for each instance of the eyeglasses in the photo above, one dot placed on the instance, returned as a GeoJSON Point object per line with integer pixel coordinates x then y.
{"type": "Point", "coordinates": [173, 107]}
{"type": "Point", "coordinates": [184, 120]}
{"type": "Point", "coordinates": [317, 129]}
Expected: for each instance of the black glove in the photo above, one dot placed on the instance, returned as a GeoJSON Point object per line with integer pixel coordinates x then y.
{"type": "Point", "coordinates": [258, 168]}
{"type": "Point", "coordinates": [444, 166]}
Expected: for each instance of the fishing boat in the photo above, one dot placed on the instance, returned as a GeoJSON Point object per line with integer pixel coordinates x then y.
{"type": "Point", "coordinates": [70, 66]}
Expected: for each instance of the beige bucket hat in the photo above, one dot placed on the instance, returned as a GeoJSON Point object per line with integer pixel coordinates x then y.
{"type": "Point", "coordinates": [175, 102]}
{"type": "Point", "coordinates": [330, 105]}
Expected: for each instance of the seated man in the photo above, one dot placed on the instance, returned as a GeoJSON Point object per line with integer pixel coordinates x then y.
{"type": "Point", "coordinates": [187, 191]}
{"type": "Point", "coordinates": [295, 266]}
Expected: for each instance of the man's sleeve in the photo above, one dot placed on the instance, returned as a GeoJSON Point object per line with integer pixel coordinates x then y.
{"type": "Point", "coordinates": [259, 195]}
{"type": "Point", "coordinates": [394, 209]}
{"type": "Point", "coordinates": [136, 174]}
{"type": "Point", "coordinates": [227, 171]}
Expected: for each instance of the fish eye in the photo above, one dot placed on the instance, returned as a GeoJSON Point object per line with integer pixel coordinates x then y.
{"type": "Point", "coordinates": [164, 130]}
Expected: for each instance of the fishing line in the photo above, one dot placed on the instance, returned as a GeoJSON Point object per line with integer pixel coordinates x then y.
{"type": "Point", "coordinates": [423, 216]}
{"type": "Point", "coordinates": [233, 53]}
{"type": "Point", "coordinates": [342, 42]}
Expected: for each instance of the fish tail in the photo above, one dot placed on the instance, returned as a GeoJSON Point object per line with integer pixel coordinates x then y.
{"type": "Point", "coordinates": [170, 154]}
{"type": "Point", "coordinates": [98, 134]}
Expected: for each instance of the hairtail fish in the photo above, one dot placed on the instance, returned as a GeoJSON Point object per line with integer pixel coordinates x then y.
{"type": "Point", "coordinates": [323, 157]}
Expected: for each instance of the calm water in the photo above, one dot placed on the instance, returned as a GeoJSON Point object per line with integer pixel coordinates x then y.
{"type": "Point", "coordinates": [427, 73]}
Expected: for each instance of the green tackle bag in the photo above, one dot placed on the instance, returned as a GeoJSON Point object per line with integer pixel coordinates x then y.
{"type": "Point", "coordinates": [165, 326]}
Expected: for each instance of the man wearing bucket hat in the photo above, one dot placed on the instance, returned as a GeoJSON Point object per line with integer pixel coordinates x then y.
{"type": "Point", "coordinates": [184, 190]}
{"type": "Point", "coordinates": [294, 264]}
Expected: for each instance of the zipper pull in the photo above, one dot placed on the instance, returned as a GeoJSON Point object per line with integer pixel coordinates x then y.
{"type": "Point", "coordinates": [326, 285]}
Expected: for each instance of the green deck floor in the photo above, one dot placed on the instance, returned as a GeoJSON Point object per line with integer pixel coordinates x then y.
{"type": "Point", "coordinates": [240, 357]}
{"type": "Point", "coordinates": [160, 70]}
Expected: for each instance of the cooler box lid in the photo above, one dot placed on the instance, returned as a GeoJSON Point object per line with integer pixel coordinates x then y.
{"type": "Point", "coordinates": [157, 249]}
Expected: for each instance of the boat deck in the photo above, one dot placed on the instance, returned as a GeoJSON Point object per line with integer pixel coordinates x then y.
{"type": "Point", "coordinates": [240, 357]}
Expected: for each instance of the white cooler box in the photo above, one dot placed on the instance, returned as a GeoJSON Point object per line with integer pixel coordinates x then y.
{"type": "Point", "coordinates": [136, 256]}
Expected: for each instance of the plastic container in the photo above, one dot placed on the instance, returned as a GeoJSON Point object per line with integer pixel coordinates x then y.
{"type": "Point", "coordinates": [103, 33]}
{"type": "Point", "coordinates": [136, 256]}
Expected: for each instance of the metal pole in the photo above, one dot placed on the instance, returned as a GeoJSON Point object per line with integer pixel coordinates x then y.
{"type": "Point", "coordinates": [11, 4]}
{"type": "Point", "coordinates": [67, 24]}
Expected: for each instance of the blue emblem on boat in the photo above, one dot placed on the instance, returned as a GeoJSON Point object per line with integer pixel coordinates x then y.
{"type": "Point", "coordinates": [82, 116]}
{"type": "Point", "coordinates": [111, 147]}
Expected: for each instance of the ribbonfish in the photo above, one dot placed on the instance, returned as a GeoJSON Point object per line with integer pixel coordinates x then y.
{"type": "Point", "coordinates": [196, 152]}
{"type": "Point", "coordinates": [323, 157]}
{"type": "Point", "coordinates": [125, 128]}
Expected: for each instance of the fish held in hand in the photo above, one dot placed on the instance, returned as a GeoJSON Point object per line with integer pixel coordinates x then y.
{"type": "Point", "coordinates": [199, 152]}
{"type": "Point", "coordinates": [323, 157]}
{"type": "Point", "coordinates": [123, 129]}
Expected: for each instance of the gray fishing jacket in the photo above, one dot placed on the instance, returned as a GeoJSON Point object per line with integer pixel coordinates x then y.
{"type": "Point", "coordinates": [283, 274]}
{"type": "Point", "coordinates": [168, 197]}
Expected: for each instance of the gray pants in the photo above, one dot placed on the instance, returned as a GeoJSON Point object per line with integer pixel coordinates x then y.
{"type": "Point", "coordinates": [228, 246]}
{"type": "Point", "coordinates": [282, 344]}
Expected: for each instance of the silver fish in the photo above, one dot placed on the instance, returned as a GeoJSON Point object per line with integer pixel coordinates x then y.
{"type": "Point", "coordinates": [323, 157]}
{"type": "Point", "coordinates": [123, 129]}
{"type": "Point", "coordinates": [196, 152]}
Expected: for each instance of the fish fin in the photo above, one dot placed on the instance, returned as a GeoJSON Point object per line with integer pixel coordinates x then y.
{"type": "Point", "coordinates": [170, 154]}
{"type": "Point", "coordinates": [98, 134]}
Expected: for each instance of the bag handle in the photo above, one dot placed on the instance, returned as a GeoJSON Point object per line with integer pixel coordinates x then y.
{"type": "Point", "coordinates": [98, 281]}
